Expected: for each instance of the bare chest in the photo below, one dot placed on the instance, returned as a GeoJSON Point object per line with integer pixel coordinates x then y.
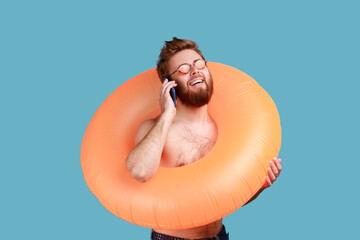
{"type": "Point", "coordinates": [185, 145]}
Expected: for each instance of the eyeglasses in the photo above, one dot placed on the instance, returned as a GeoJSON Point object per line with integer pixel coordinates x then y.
{"type": "Point", "coordinates": [185, 68]}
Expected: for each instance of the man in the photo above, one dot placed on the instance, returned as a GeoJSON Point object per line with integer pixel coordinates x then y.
{"type": "Point", "coordinates": [183, 134]}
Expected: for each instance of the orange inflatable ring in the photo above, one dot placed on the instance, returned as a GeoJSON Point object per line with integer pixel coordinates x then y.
{"type": "Point", "coordinates": [249, 136]}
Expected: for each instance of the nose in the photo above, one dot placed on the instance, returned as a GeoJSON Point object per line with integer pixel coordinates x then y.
{"type": "Point", "coordinates": [193, 70]}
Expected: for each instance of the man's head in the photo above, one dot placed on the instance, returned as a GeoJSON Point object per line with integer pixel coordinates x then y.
{"type": "Point", "coordinates": [181, 60]}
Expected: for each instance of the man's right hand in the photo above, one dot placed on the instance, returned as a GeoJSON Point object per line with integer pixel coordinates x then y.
{"type": "Point", "coordinates": [166, 102]}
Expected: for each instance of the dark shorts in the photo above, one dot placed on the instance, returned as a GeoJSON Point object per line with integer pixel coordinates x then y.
{"type": "Point", "coordinates": [222, 235]}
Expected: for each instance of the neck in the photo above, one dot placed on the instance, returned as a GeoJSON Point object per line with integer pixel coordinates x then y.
{"type": "Point", "coordinates": [197, 115]}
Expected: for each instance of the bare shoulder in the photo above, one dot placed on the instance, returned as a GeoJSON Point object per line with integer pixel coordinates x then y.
{"type": "Point", "coordinates": [144, 129]}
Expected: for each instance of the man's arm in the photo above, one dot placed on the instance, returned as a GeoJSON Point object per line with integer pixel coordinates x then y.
{"type": "Point", "coordinates": [144, 160]}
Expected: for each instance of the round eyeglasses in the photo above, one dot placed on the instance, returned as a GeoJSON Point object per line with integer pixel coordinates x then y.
{"type": "Point", "coordinates": [185, 68]}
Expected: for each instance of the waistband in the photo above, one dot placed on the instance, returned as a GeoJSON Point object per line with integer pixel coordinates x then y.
{"type": "Point", "coordinates": [222, 235]}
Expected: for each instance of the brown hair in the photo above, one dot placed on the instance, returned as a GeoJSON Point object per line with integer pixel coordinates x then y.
{"type": "Point", "coordinates": [169, 49]}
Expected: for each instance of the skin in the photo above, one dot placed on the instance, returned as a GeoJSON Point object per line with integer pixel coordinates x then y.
{"type": "Point", "coordinates": [180, 136]}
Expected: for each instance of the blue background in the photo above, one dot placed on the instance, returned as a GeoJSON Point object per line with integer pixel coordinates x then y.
{"type": "Point", "coordinates": [60, 60]}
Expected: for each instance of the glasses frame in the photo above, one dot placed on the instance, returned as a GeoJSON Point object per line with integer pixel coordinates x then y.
{"type": "Point", "coordinates": [189, 66]}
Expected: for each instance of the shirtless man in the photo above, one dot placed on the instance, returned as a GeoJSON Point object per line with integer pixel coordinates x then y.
{"type": "Point", "coordinates": [183, 134]}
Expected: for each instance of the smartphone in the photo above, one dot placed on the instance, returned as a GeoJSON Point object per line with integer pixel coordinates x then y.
{"type": "Point", "coordinates": [172, 92]}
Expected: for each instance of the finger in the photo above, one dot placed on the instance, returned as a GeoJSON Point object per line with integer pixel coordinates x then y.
{"type": "Point", "coordinates": [162, 85]}
{"type": "Point", "coordinates": [278, 165]}
{"type": "Point", "coordinates": [274, 168]}
{"type": "Point", "coordinates": [164, 82]}
{"type": "Point", "coordinates": [268, 181]}
{"type": "Point", "coordinates": [165, 86]}
{"type": "Point", "coordinates": [169, 86]}
{"type": "Point", "coordinates": [271, 175]}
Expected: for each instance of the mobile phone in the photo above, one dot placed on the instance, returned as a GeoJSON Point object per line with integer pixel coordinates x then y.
{"type": "Point", "coordinates": [172, 93]}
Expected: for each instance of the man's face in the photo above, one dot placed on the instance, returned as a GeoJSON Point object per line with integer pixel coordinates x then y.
{"type": "Point", "coordinates": [195, 87]}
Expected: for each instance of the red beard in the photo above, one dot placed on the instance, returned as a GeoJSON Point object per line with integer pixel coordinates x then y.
{"type": "Point", "coordinates": [196, 98]}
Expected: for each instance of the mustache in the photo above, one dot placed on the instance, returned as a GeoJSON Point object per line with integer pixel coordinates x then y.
{"type": "Point", "coordinates": [199, 75]}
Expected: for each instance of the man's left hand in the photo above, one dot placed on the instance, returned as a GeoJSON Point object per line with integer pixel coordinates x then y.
{"type": "Point", "coordinates": [273, 172]}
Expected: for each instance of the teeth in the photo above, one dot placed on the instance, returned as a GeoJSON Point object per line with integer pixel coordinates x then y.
{"type": "Point", "coordinates": [195, 82]}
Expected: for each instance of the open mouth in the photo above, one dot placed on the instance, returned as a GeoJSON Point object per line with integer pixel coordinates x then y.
{"type": "Point", "coordinates": [197, 81]}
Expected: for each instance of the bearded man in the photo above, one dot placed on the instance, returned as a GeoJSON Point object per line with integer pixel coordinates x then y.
{"type": "Point", "coordinates": [183, 134]}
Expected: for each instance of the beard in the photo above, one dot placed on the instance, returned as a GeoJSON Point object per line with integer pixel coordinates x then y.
{"type": "Point", "coordinates": [196, 98]}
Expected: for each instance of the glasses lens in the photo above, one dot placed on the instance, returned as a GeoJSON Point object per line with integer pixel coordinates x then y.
{"type": "Point", "coordinates": [200, 64]}
{"type": "Point", "coordinates": [184, 69]}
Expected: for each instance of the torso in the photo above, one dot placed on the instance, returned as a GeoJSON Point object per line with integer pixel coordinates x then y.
{"type": "Point", "coordinates": [184, 145]}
